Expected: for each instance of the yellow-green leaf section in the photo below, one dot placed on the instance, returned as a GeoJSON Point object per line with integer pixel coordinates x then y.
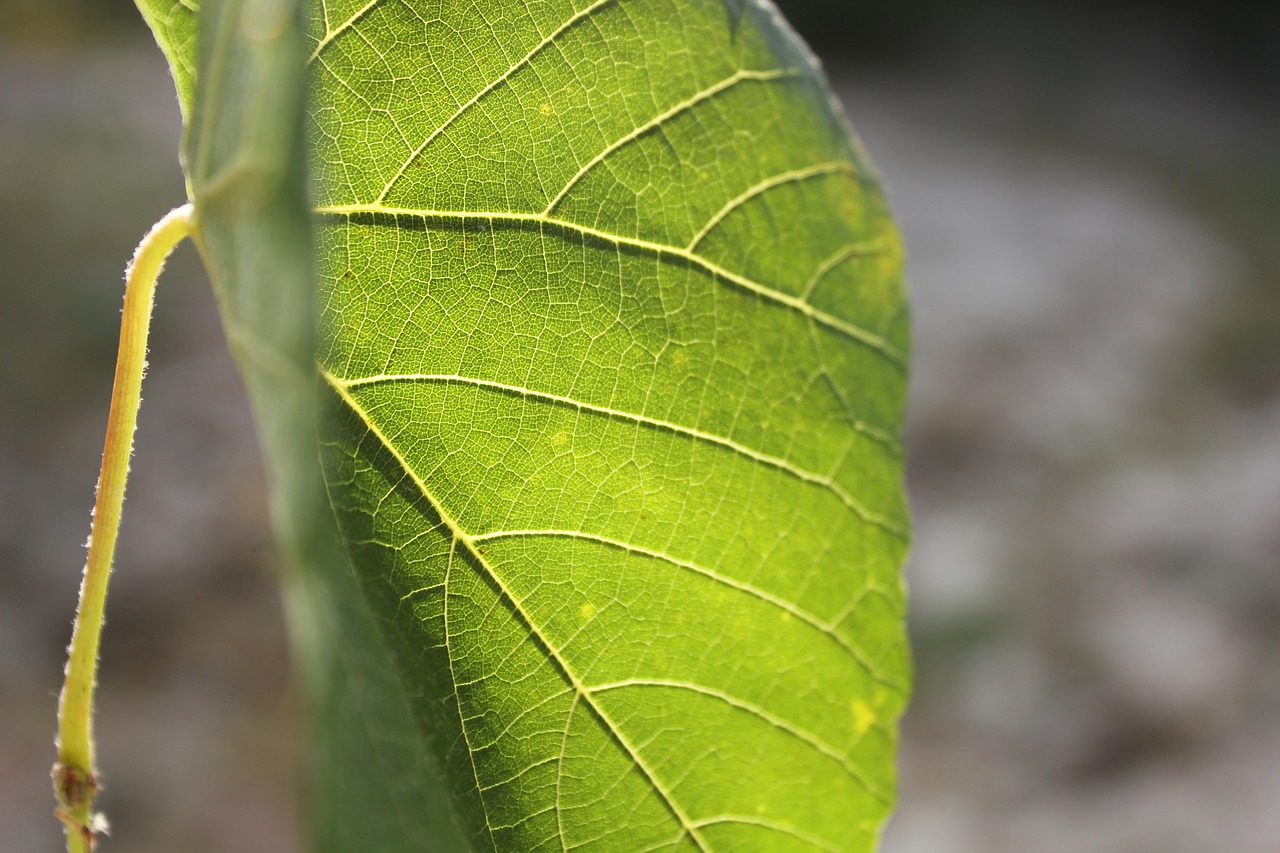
{"type": "Point", "coordinates": [614, 341]}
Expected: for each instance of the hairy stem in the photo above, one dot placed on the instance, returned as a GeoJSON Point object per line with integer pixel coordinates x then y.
{"type": "Point", "coordinates": [75, 779]}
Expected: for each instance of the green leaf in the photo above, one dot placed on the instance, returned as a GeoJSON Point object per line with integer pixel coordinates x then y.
{"type": "Point", "coordinates": [614, 332]}
{"type": "Point", "coordinates": [613, 347]}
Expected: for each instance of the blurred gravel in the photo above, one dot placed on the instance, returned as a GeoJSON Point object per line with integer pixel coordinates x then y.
{"type": "Point", "coordinates": [1094, 469]}
{"type": "Point", "coordinates": [1096, 571]}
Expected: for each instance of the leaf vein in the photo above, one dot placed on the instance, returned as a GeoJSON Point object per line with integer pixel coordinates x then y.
{"type": "Point", "coordinates": [844, 253]}
{"type": "Point", "coordinates": [822, 318]}
{"type": "Point", "coordinates": [826, 628]}
{"type": "Point", "coordinates": [834, 167]}
{"type": "Point", "coordinates": [564, 748]}
{"type": "Point", "coordinates": [689, 103]}
{"type": "Point", "coordinates": [332, 34]}
{"type": "Point", "coordinates": [784, 725]}
{"type": "Point", "coordinates": [574, 19]}
{"type": "Point", "coordinates": [764, 823]}
{"type": "Point", "coordinates": [462, 718]}
{"type": "Point", "coordinates": [825, 482]}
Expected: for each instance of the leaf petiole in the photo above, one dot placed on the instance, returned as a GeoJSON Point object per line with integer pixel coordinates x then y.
{"type": "Point", "coordinates": [75, 780]}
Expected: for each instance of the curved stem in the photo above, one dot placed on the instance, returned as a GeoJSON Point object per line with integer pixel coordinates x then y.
{"type": "Point", "coordinates": [75, 780]}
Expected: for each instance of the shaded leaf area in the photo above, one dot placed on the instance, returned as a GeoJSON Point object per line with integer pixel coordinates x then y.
{"type": "Point", "coordinates": [613, 336]}
{"type": "Point", "coordinates": [372, 782]}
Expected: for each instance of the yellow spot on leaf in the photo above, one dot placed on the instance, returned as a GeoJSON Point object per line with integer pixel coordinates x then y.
{"type": "Point", "coordinates": [864, 717]}
{"type": "Point", "coordinates": [587, 610]}
{"type": "Point", "coordinates": [560, 439]}
{"type": "Point", "coordinates": [546, 109]}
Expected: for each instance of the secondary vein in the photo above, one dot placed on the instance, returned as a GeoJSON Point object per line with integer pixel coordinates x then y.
{"type": "Point", "coordinates": [826, 482]}
{"type": "Point", "coordinates": [822, 318]}
{"type": "Point", "coordinates": [469, 543]}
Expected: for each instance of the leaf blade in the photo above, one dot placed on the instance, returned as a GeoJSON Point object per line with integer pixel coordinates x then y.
{"type": "Point", "coordinates": [613, 418]}
{"type": "Point", "coordinates": [549, 390]}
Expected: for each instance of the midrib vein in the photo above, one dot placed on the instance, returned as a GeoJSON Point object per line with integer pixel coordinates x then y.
{"type": "Point", "coordinates": [468, 542]}
{"type": "Point", "coordinates": [869, 339]}
{"type": "Point", "coordinates": [825, 482]}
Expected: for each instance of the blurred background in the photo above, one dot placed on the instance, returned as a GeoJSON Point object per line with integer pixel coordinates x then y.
{"type": "Point", "coordinates": [1090, 195]}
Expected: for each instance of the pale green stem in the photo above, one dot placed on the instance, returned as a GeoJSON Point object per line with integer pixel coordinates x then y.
{"type": "Point", "coordinates": [75, 780]}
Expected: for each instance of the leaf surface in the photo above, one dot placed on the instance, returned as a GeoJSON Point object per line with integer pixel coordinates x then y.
{"type": "Point", "coordinates": [612, 359]}
{"type": "Point", "coordinates": [614, 338]}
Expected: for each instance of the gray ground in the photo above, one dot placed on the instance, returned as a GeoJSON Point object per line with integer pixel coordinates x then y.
{"type": "Point", "coordinates": [1095, 469]}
